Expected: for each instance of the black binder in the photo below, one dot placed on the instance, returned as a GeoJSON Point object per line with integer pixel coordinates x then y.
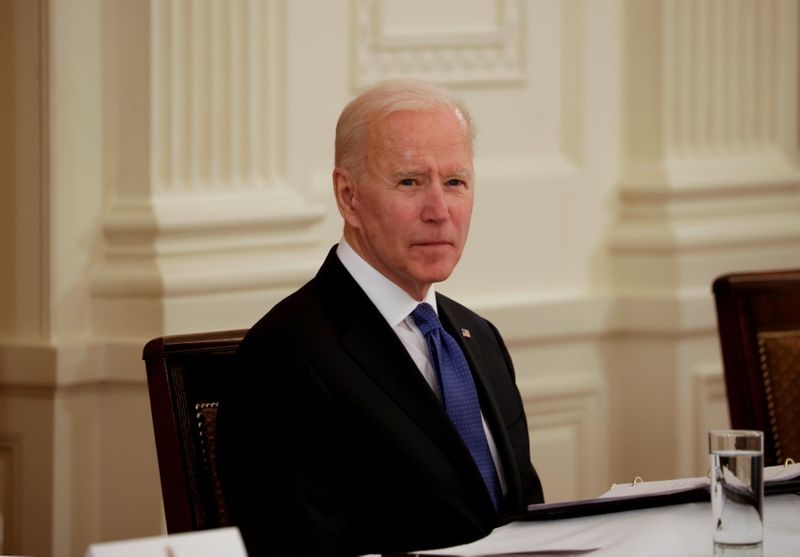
{"type": "Point", "coordinates": [603, 505]}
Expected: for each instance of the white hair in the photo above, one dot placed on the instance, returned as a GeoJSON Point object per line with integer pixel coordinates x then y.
{"type": "Point", "coordinates": [377, 103]}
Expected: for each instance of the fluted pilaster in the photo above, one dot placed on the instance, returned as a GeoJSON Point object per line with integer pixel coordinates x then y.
{"type": "Point", "coordinates": [216, 115]}
{"type": "Point", "coordinates": [198, 201]}
{"type": "Point", "coordinates": [725, 81]}
{"type": "Point", "coordinates": [711, 168]}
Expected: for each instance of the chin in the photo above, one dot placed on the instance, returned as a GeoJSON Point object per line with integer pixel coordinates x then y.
{"type": "Point", "coordinates": [435, 269]}
{"type": "Point", "coordinates": [432, 276]}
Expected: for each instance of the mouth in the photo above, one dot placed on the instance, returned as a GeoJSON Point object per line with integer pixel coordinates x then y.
{"type": "Point", "coordinates": [432, 244]}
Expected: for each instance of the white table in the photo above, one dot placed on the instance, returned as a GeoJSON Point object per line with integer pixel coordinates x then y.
{"type": "Point", "coordinates": [677, 530]}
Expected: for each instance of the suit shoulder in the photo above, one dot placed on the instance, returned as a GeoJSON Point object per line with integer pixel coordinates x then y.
{"type": "Point", "coordinates": [460, 312]}
{"type": "Point", "coordinates": [451, 305]}
{"type": "Point", "coordinates": [288, 318]}
{"type": "Point", "coordinates": [462, 317]}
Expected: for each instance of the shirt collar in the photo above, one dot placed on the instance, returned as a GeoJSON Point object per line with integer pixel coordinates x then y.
{"type": "Point", "coordinates": [392, 302]}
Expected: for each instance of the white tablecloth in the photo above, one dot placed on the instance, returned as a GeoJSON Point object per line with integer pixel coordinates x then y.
{"type": "Point", "coordinates": [678, 530]}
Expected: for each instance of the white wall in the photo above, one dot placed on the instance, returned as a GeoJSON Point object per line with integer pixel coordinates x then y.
{"type": "Point", "coordinates": [168, 171]}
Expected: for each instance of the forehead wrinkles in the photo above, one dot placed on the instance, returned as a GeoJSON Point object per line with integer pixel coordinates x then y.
{"type": "Point", "coordinates": [412, 150]}
{"type": "Point", "coordinates": [396, 141]}
{"type": "Point", "coordinates": [386, 128]}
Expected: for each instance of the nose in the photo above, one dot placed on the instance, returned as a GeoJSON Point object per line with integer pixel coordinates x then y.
{"type": "Point", "coordinates": [435, 207]}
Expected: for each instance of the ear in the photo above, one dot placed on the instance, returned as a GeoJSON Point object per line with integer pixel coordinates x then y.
{"type": "Point", "coordinates": [344, 189]}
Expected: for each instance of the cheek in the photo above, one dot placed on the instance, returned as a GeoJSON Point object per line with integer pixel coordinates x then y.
{"type": "Point", "coordinates": [397, 216]}
{"type": "Point", "coordinates": [463, 215]}
{"type": "Point", "coordinates": [370, 212]}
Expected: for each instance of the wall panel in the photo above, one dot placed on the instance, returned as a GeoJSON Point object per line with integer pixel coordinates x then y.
{"type": "Point", "coordinates": [567, 425]}
{"type": "Point", "coordinates": [439, 42]}
{"type": "Point", "coordinates": [10, 493]}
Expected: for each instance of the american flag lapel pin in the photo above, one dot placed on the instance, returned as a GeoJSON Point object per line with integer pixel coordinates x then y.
{"type": "Point", "coordinates": [465, 333]}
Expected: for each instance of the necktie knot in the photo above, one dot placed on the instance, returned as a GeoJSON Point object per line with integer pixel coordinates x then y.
{"type": "Point", "coordinates": [426, 319]}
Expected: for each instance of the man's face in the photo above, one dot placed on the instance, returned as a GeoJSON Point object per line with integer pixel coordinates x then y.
{"type": "Point", "coordinates": [408, 213]}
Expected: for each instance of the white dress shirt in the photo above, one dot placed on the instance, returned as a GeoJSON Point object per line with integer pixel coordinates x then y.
{"type": "Point", "coordinates": [396, 305]}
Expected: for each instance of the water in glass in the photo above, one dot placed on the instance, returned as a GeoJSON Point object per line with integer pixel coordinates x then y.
{"type": "Point", "coordinates": [737, 501]}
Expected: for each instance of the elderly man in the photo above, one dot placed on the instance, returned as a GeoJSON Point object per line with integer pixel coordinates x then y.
{"type": "Point", "coordinates": [371, 414]}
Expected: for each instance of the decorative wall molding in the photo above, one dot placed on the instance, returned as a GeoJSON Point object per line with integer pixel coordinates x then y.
{"type": "Point", "coordinates": [705, 79]}
{"type": "Point", "coordinates": [566, 419]}
{"type": "Point", "coordinates": [765, 170]}
{"type": "Point", "coordinates": [452, 56]}
{"type": "Point", "coordinates": [31, 364]}
{"type": "Point", "coordinates": [528, 321]}
{"type": "Point", "coordinates": [727, 89]}
{"type": "Point", "coordinates": [199, 201]}
{"type": "Point", "coordinates": [721, 109]}
{"type": "Point", "coordinates": [712, 203]}
{"type": "Point", "coordinates": [710, 409]}
{"type": "Point", "coordinates": [40, 370]}
{"type": "Point", "coordinates": [11, 495]}
{"type": "Point", "coordinates": [174, 244]}
{"type": "Point", "coordinates": [175, 280]}
{"type": "Point", "coordinates": [217, 94]}
{"type": "Point", "coordinates": [573, 82]}
{"type": "Point", "coordinates": [747, 231]}
{"type": "Point", "coordinates": [711, 161]}
{"type": "Point", "coordinates": [204, 223]}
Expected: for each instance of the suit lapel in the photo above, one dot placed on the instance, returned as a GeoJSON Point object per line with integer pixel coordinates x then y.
{"type": "Point", "coordinates": [374, 346]}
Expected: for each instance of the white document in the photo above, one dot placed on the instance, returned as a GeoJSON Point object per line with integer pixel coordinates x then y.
{"type": "Point", "coordinates": [781, 472]}
{"type": "Point", "coordinates": [205, 543]}
{"type": "Point", "coordinates": [771, 474]}
{"type": "Point", "coordinates": [650, 488]}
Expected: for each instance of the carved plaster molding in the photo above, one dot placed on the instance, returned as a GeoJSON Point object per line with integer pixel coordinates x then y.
{"type": "Point", "coordinates": [482, 56]}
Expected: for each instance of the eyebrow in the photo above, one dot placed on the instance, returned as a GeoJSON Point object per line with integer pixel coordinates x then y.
{"type": "Point", "coordinates": [413, 172]}
{"type": "Point", "coordinates": [408, 172]}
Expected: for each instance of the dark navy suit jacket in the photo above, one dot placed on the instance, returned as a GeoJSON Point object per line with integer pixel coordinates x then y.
{"type": "Point", "coordinates": [330, 442]}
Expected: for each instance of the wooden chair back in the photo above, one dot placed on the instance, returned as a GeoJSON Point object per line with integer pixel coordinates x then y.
{"type": "Point", "coordinates": [186, 378]}
{"type": "Point", "coordinates": [758, 315]}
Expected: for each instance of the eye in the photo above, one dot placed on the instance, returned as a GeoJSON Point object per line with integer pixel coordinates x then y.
{"type": "Point", "coordinates": [455, 182]}
{"type": "Point", "coordinates": [407, 182]}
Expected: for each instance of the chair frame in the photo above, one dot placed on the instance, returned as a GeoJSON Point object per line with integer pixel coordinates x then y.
{"type": "Point", "coordinates": [186, 473]}
{"type": "Point", "coordinates": [749, 304]}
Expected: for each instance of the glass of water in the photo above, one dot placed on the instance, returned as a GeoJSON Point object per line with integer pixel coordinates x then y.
{"type": "Point", "coordinates": [737, 491]}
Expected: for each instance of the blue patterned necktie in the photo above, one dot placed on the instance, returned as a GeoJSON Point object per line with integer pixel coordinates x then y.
{"type": "Point", "coordinates": [459, 396]}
